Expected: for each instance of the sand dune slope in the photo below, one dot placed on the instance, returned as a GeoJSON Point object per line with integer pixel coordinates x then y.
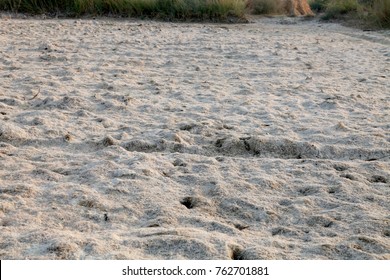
{"type": "Point", "coordinates": [148, 140]}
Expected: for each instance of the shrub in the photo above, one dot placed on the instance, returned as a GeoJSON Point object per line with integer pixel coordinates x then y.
{"type": "Point", "coordinates": [319, 5]}
{"type": "Point", "coordinates": [258, 7]}
{"type": "Point", "coordinates": [381, 12]}
{"type": "Point", "coordinates": [335, 8]}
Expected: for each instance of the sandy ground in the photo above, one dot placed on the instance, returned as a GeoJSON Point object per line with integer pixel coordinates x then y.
{"type": "Point", "coordinates": [149, 140]}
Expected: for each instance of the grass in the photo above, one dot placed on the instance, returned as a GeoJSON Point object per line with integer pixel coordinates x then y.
{"type": "Point", "coordinates": [368, 12]}
{"type": "Point", "coordinates": [381, 11]}
{"type": "Point", "coordinates": [259, 7]}
{"type": "Point", "coordinates": [36, 6]}
{"type": "Point", "coordinates": [335, 8]}
{"type": "Point", "coordinates": [375, 12]}
{"type": "Point", "coordinates": [318, 5]}
{"type": "Point", "coordinates": [171, 9]}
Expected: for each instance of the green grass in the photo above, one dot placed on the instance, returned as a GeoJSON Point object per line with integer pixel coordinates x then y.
{"type": "Point", "coordinates": [171, 9]}
{"type": "Point", "coordinates": [381, 12]}
{"type": "Point", "coordinates": [368, 12]}
{"type": "Point", "coordinates": [336, 8]}
{"type": "Point", "coordinates": [318, 5]}
{"type": "Point", "coordinates": [260, 7]}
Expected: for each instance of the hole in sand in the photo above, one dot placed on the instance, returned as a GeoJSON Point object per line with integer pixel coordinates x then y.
{"type": "Point", "coordinates": [349, 176]}
{"type": "Point", "coordinates": [332, 190]}
{"type": "Point", "coordinates": [219, 143]}
{"type": "Point", "coordinates": [241, 227]}
{"type": "Point", "coordinates": [340, 167]}
{"type": "Point", "coordinates": [188, 202]}
{"type": "Point", "coordinates": [236, 253]}
{"type": "Point", "coordinates": [305, 191]}
{"type": "Point", "coordinates": [247, 145]}
{"type": "Point", "coordinates": [220, 159]}
{"type": "Point", "coordinates": [327, 224]}
{"type": "Point", "coordinates": [378, 179]}
{"type": "Point", "coordinates": [153, 225]}
{"type": "Point", "coordinates": [187, 126]}
{"type": "Point", "coordinates": [179, 162]}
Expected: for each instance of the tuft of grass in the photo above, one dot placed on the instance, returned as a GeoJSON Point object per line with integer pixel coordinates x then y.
{"type": "Point", "coordinates": [261, 7]}
{"type": "Point", "coordinates": [381, 12]}
{"type": "Point", "coordinates": [374, 13]}
{"type": "Point", "coordinates": [37, 6]}
{"type": "Point", "coordinates": [319, 6]}
{"type": "Point", "coordinates": [337, 8]}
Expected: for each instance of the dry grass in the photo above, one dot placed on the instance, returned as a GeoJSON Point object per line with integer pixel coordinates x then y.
{"type": "Point", "coordinates": [167, 9]}
{"type": "Point", "coordinates": [372, 12]}
{"type": "Point", "coordinates": [375, 12]}
{"type": "Point", "coordinates": [265, 6]}
{"type": "Point", "coordinates": [171, 9]}
{"type": "Point", "coordinates": [381, 10]}
{"type": "Point", "coordinates": [335, 8]}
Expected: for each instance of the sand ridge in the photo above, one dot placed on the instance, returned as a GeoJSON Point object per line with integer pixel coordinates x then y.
{"type": "Point", "coordinates": [148, 140]}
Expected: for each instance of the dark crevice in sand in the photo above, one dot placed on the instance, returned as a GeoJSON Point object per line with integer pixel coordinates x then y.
{"type": "Point", "coordinates": [248, 147]}
{"type": "Point", "coordinates": [262, 148]}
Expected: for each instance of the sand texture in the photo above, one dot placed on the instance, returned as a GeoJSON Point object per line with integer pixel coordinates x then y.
{"type": "Point", "coordinates": [124, 139]}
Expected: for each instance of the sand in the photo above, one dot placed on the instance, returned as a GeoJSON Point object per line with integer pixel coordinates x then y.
{"type": "Point", "coordinates": [126, 139]}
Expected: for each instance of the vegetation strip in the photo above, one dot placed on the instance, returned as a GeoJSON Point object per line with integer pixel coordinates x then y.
{"type": "Point", "coordinates": [374, 12]}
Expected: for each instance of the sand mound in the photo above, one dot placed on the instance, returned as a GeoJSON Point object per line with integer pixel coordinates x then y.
{"type": "Point", "coordinates": [12, 133]}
